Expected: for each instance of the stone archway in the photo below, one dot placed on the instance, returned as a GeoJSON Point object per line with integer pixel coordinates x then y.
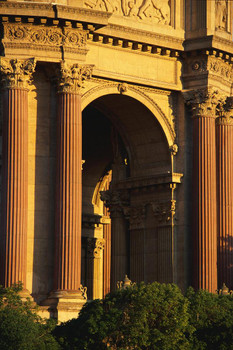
{"type": "Point", "coordinates": [141, 194]}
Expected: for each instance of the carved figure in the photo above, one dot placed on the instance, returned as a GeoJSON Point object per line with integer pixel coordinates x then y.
{"type": "Point", "coordinates": [157, 11]}
{"type": "Point", "coordinates": [221, 14]}
{"type": "Point", "coordinates": [162, 10]}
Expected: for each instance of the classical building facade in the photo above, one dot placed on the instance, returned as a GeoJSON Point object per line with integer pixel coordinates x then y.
{"type": "Point", "coordinates": [116, 147]}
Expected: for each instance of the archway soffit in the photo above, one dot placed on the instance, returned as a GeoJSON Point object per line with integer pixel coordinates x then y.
{"type": "Point", "coordinates": [137, 94]}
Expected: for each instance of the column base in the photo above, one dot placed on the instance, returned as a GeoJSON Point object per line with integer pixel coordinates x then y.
{"type": "Point", "coordinates": [65, 305]}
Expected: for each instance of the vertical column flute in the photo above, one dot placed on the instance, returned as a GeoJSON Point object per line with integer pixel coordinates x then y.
{"type": "Point", "coordinates": [224, 132]}
{"type": "Point", "coordinates": [16, 76]}
{"type": "Point", "coordinates": [203, 103]}
{"type": "Point", "coordinates": [67, 272]}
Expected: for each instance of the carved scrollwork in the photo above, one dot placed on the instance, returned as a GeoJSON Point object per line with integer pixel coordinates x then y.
{"type": "Point", "coordinates": [156, 11]}
{"type": "Point", "coordinates": [136, 216]}
{"type": "Point", "coordinates": [94, 247]}
{"type": "Point", "coordinates": [225, 112]}
{"type": "Point", "coordinates": [71, 76]}
{"type": "Point", "coordinates": [115, 201]}
{"type": "Point", "coordinates": [165, 212]}
{"type": "Point", "coordinates": [83, 291]}
{"type": "Point", "coordinates": [203, 102]}
{"type": "Point", "coordinates": [37, 35]}
{"type": "Point", "coordinates": [17, 73]}
{"type": "Point", "coordinates": [173, 149]}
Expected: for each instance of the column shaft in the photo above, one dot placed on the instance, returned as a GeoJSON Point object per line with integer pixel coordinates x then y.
{"type": "Point", "coordinates": [204, 203]}
{"type": "Point", "coordinates": [13, 228]}
{"type": "Point", "coordinates": [68, 193]}
{"type": "Point", "coordinates": [119, 249]}
{"type": "Point", "coordinates": [225, 200]}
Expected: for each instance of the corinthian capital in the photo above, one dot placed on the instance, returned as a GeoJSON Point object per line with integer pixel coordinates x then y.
{"type": "Point", "coordinates": [225, 112]}
{"type": "Point", "coordinates": [203, 102]}
{"type": "Point", "coordinates": [72, 76]}
{"type": "Point", "coordinates": [17, 73]}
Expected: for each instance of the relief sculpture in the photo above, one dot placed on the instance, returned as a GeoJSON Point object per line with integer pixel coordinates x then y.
{"type": "Point", "coordinates": [155, 11]}
{"type": "Point", "coordinates": [221, 14]}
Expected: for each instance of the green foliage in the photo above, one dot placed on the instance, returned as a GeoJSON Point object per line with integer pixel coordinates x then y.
{"type": "Point", "coordinates": [212, 317]}
{"type": "Point", "coordinates": [153, 316]}
{"type": "Point", "coordinates": [20, 327]}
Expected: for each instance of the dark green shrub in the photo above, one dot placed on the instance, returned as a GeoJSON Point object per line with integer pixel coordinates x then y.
{"type": "Point", "coordinates": [152, 316]}
{"type": "Point", "coordinates": [20, 327]}
{"type": "Point", "coordinates": [212, 317]}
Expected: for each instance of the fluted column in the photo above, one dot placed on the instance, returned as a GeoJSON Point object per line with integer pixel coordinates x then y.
{"type": "Point", "coordinates": [203, 103]}
{"type": "Point", "coordinates": [137, 240]}
{"type": "Point", "coordinates": [16, 75]}
{"type": "Point", "coordinates": [67, 273]}
{"type": "Point", "coordinates": [224, 132]}
{"type": "Point", "coordinates": [115, 201]}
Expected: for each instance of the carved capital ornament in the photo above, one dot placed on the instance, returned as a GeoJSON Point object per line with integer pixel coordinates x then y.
{"type": "Point", "coordinates": [203, 102]}
{"type": "Point", "coordinates": [72, 76]}
{"type": "Point", "coordinates": [17, 73]}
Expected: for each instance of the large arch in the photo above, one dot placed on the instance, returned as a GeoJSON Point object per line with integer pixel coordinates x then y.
{"type": "Point", "coordinates": [128, 90]}
{"type": "Point", "coordinates": [138, 233]}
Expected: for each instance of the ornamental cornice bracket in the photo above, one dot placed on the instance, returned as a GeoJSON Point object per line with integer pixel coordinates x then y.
{"type": "Point", "coordinates": [17, 73]}
{"type": "Point", "coordinates": [71, 77]}
{"type": "Point", "coordinates": [203, 102]}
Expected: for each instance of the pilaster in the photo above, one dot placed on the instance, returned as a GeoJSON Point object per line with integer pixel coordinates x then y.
{"type": "Point", "coordinates": [16, 76]}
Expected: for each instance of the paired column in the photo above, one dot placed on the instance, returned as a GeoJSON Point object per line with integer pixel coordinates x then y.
{"type": "Point", "coordinates": [224, 132]}
{"type": "Point", "coordinates": [67, 274]}
{"type": "Point", "coordinates": [203, 104]}
{"type": "Point", "coordinates": [16, 76]}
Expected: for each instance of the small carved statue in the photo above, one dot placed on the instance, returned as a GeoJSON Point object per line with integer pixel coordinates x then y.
{"type": "Point", "coordinates": [221, 14]}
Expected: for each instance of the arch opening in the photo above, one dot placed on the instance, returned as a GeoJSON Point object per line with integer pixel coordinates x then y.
{"type": "Point", "coordinates": [126, 153]}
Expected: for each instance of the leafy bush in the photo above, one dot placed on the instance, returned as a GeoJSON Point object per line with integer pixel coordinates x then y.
{"type": "Point", "coordinates": [153, 316]}
{"type": "Point", "coordinates": [20, 327]}
{"type": "Point", "coordinates": [212, 317]}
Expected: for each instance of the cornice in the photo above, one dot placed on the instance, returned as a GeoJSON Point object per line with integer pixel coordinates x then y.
{"type": "Point", "coordinates": [53, 11]}
{"type": "Point", "coordinates": [83, 14]}
{"type": "Point", "coordinates": [139, 35]}
{"type": "Point", "coordinates": [209, 42]}
{"type": "Point", "coordinates": [147, 181]}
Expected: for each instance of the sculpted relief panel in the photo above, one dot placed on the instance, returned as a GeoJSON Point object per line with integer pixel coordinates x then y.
{"type": "Point", "coordinates": [154, 11]}
{"type": "Point", "coordinates": [221, 14]}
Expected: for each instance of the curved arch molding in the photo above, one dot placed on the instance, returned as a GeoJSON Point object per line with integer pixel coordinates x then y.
{"type": "Point", "coordinates": [129, 90]}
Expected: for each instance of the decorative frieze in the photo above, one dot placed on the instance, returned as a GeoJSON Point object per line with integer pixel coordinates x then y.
{"type": "Point", "coordinates": [155, 11]}
{"type": "Point", "coordinates": [45, 35]}
{"type": "Point", "coordinates": [72, 76]}
{"type": "Point", "coordinates": [212, 64]}
{"type": "Point", "coordinates": [17, 73]}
